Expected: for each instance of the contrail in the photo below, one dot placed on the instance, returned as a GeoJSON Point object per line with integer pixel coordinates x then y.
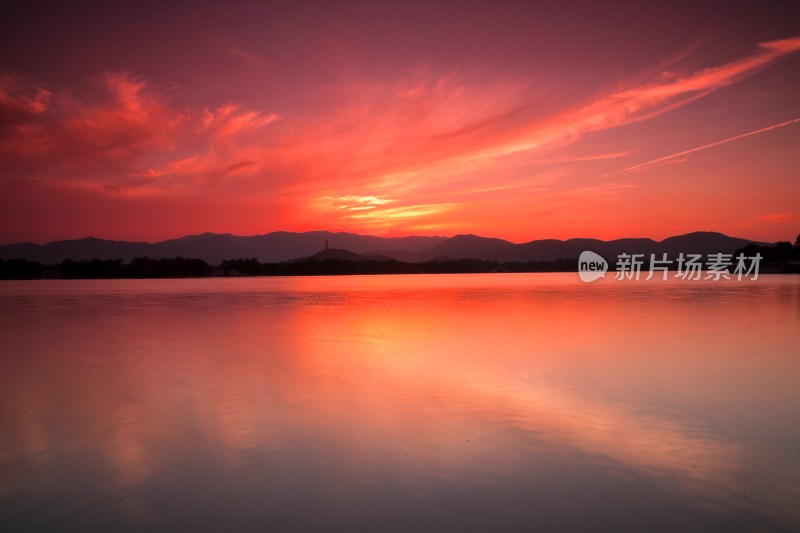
{"type": "Point", "coordinates": [704, 147]}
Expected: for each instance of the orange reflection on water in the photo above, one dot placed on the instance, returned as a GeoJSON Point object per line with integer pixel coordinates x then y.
{"type": "Point", "coordinates": [411, 382]}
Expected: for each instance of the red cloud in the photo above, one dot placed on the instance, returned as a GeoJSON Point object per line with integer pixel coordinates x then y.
{"type": "Point", "coordinates": [414, 141]}
{"type": "Point", "coordinates": [71, 137]}
{"type": "Point", "coordinates": [20, 98]}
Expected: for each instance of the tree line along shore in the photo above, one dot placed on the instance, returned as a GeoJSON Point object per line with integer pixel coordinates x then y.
{"type": "Point", "coordinates": [782, 257]}
{"type": "Point", "coordinates": [179, 267]}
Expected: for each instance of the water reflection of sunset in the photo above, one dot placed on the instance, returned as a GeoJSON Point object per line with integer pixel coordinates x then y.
{"type": "Point", "coordinates": [371, 383]}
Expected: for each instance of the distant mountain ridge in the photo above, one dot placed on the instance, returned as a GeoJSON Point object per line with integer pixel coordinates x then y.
{"type": "Point", "coordinates": [702, 242]}
{"type": "Point", "coordinates": [215, 248]}
{"type": "Point", "coordinates": [286, 246]}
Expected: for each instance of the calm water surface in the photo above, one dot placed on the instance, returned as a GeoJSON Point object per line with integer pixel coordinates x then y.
{"type": "Point", "coordinates": [508, 402]}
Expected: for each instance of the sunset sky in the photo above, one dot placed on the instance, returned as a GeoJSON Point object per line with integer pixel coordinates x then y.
{"type": "Point", "coordinates": [519, 120]}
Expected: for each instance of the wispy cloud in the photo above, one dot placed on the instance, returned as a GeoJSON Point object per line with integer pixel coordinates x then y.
{"type": "Point", "coordinates": [679, 155]}
{"type": "Point", "coordinates": [394, 137]}
{"type": "Point", "coordinates": [377, 211]}
{"type": "Point", "coordinates": [355, 203]}
{"type": "Point", "coordinates": [248, 57]}
{"type": "Point", "coordinates": [775, 218]}
{"type": "Point", "coordinates": [646, 101]}
{"type": "Point", "coordinates": [387, 149]}
{"type": "Point", "coordinates": [17, 96]}
{"type": "Point", "coordinates": [128, 138]}
{"type": "Point", "coordinates": [406, 211]}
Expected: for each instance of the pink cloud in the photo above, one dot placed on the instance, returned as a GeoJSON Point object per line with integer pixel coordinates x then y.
{"type": "Point", "coordinates": [428, 123]}
{"type": "Point", "coordinates": [775, 218]}
{"type": "Point", "coordinates": [649, 100]}
{"type": "Point", "coordinates": [423, 141]}
{"type": "Point", "coordinates": [73, 136]}
{"type": "Point", "coordinates": [19, 97]}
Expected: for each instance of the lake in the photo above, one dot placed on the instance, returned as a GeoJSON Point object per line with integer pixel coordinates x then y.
{"type": "Point", "coordinates": [489, 402]}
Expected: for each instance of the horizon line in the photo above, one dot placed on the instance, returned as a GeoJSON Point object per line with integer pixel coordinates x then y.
{"type": "Point", "coordinates": [377, 236]}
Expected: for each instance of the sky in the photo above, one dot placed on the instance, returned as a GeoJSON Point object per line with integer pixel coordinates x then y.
{"type": "Point", "coordinates": [521, 120]}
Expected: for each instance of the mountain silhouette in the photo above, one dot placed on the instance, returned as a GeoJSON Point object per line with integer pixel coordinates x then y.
{"type": "Point", "coordinates": [215, 248]}
{"type": "Point", "coordinates": [463, 247]}
{"type": "Point", "coordinates": [285, 246]}
{"type": "Point", "coordinates": [702, 242]}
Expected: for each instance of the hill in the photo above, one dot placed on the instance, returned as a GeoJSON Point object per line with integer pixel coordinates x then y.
{"type": "Point", "coordinates": [286, 246]}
